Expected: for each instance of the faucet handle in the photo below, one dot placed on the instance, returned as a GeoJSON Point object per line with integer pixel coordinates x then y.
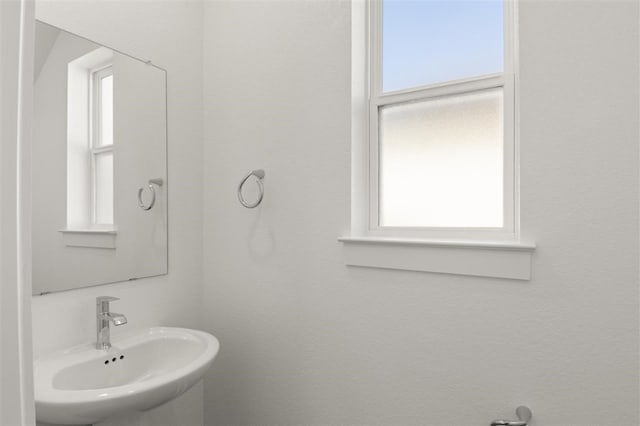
{"type": "Point", "coordinates": [107, 299]}
{"type": "Point", "coordinates": [102, 303]}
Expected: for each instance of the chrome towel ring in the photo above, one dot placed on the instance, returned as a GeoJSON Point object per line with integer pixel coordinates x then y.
{"type": "Point", "coordinates": [152, 182]}
{"type": "Point", "coordinates": [259, 175]}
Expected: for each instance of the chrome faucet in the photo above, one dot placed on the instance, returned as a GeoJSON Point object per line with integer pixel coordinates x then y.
{"type": "Point", "coordinates": [103, 318]}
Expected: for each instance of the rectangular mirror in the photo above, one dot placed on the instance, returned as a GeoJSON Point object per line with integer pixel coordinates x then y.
{"type": "Point", "coordinates": [99, 159]}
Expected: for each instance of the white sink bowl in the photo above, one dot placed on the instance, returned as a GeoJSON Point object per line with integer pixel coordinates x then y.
{"type": "Point", "coordinates": [142, 370]}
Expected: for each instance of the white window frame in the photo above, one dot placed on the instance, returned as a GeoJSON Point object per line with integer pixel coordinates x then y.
{"type": "Point", "coordinates": [379, 99]}
{"type": "Point", "coordinates": [496, 253]}
{"type": "Point", "coordinates": [96, 147]}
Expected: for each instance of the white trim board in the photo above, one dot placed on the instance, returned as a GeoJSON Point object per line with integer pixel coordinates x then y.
{"type": "Point", "coordinates": [510, 260]}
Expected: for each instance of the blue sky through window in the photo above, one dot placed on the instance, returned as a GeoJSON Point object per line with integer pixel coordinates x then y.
{"type": "Point", "coordinates": [432, 41]}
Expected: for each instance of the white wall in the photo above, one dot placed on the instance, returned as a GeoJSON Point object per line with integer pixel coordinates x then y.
{"type": "Point", "coordinates": [307, 340]}
{"type": "Point", "coordinates": [169, 34]}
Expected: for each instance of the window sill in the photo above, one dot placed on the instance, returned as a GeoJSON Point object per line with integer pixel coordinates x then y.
{"type": "Point", "coordinates": [498, 259]}
{"type": "Point", "coordinates": [92, 238]}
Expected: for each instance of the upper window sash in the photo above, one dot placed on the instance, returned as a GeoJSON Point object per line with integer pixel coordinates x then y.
{"type": "Point", "coordinates": [96, 133]}
{"type": "Point", "coordinates": [377, 99]}
{"type": "Point", "coordinates": [375, 51]}
{"type": "Point", "coordinates": [99, 147]}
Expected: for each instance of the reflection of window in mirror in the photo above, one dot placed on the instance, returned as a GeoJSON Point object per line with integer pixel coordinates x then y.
{"type": "Point", "coordinates": [101, 146]}
{"type": "Point", "coordinates": [90, 143]}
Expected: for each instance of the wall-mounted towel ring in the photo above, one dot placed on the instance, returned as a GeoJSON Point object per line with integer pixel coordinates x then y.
{"type": "Point", "coordinates": [152, 182]}
{"type": "Point", "coordinates": [259, 174]}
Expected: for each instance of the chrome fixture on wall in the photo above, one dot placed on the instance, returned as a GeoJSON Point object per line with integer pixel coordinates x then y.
{"type": "Point", "coordinates": [103, 318]}
{"type": "Point", "coordinates": [159, 182]}
{"type": "Point", "coordinates": [259, 175]}
{"type": "Point", "coordinates": [524, 417]}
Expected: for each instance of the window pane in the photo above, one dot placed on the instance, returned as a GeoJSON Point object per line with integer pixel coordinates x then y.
{"type": "Point", "coordinates": [426, 42]}
{"type": "Point", "coordinates": [106, 110]}
{"type": "Point", "coordinates": [104, 188]}
{"type": "Point", "coordinates": [441, 162]}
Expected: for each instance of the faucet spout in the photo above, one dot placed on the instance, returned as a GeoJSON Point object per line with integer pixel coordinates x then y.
{"type": "Point", "coordinates": [103, 319]}
{"type": "Point", "coordinates": [115, 318]}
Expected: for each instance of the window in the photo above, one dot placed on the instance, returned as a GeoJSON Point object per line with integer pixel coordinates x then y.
{"type": "Point", "coordinates": [441, 114]}
{"type": "Point", "coordinates": [90, 151]}
{"type": "Point", "coordinates": [101, 146]}
{"type": "Point", "coordinates": [434, 159]}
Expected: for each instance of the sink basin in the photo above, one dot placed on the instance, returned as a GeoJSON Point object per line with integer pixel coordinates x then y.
{"type": "Point", "coordinates": [142, 370]}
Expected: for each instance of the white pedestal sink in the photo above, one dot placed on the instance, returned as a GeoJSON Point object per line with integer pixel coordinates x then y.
{"type": "Point", "coordinates": [142, 370]}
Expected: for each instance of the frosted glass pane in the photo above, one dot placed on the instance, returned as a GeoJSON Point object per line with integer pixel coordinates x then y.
{"type": "Point", "coordinates": [104, 188]}
{"type": "Point", "coordinates": [106, 110]}
{"type": "Point", "coordinates": [441, 162]}
{"type": "Point", "coordinates": [426, 42]}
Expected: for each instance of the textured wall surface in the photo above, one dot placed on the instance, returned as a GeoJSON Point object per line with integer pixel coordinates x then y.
{"type": "Point", "coordinates": [307, 340]}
